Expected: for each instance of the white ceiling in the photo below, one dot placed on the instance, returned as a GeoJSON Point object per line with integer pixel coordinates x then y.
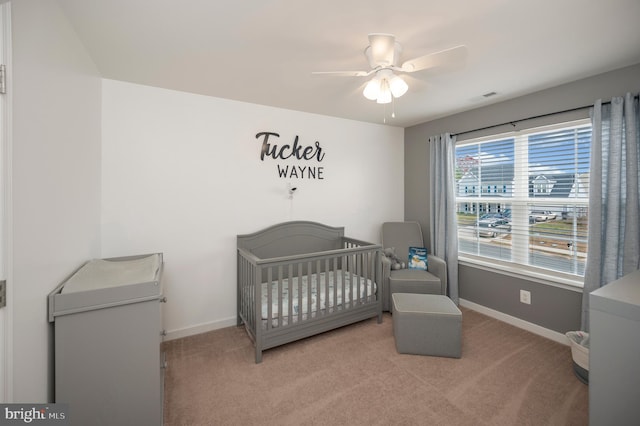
{"type": "Point", "coordinates": [263, 51]}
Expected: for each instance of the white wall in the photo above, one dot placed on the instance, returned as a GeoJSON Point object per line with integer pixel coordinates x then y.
{"type": "Point", "coordinates": [55, 178]}
{"type": "Point", "coordinates": [182, 175]}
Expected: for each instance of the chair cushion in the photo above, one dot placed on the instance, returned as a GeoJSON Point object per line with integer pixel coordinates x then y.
{"type": "Point", "coordinates": [401, 236]}
{"type": "Point", "coordinates": [414, 281]}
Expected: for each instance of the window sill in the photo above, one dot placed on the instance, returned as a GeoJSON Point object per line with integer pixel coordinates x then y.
{"type": "Point", "coordinates": [522, 272]}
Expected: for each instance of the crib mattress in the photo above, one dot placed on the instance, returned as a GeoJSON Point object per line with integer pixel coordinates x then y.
{"type": "Point", "coordinates": [317, 282]}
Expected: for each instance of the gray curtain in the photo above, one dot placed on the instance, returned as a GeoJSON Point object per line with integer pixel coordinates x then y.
{"type": "Point", "coordinates": [443, 227]}
{"type": "Point", "coordinates": [614, 209]}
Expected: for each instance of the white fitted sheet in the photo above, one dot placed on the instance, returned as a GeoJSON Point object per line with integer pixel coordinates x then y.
{"type": "Point", "coordinates": [317, 291]}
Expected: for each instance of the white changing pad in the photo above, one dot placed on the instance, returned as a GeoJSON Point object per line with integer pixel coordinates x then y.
{"type": "Point", "coordinates": [100, 273]}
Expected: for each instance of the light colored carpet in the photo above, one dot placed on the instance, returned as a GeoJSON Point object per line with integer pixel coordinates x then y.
{"type": "Point", "coordinates": [354, 376]}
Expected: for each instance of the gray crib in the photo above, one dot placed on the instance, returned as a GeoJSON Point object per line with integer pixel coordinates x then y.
{"type": "Point", "coordinates": [300, 278]}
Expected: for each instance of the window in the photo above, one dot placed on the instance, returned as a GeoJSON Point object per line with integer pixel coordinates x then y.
{"type": "Point", "coordinates": [538, 221]}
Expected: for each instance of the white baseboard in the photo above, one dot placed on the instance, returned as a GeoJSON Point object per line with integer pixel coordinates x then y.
{"type": "Point", "coordinates": [517, 322]}
{"type": "Point", "coordinates": [200, 328]}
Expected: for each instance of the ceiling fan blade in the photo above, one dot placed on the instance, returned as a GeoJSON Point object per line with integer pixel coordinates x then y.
{"type": "Point", "coordinates": [381, 50]}
{"type": "Point", "coordinates": [343, 73]}
{"type": "Point", "coordinates": [449, 58]}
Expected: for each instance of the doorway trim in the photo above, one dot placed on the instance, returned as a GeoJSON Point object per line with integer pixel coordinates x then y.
{"type": "Point", "coordinates": [6, 234]}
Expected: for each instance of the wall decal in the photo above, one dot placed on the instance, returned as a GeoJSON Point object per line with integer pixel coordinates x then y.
{"type": "Point", "coordinates": [295, 151]}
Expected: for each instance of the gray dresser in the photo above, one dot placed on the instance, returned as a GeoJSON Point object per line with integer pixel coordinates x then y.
{"type": "Point", "coordinates": [107, 322]}
{"type": "Point", "coordinates": [614, 354]}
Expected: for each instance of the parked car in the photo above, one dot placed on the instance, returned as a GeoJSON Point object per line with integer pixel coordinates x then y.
{"type": "Point", "coordinates": [491, 227]}
{"type": "Point", "coordinates": [493, 216]}
{"type": "Point", "coordinates": [539, 216]}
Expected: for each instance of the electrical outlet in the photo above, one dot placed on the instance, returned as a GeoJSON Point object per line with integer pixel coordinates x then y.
{"type": "Point", "coordinates": [525, 297]}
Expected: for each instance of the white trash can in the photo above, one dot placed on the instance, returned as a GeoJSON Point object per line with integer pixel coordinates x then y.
{"type": "Point", "coordinates": [580, 353]}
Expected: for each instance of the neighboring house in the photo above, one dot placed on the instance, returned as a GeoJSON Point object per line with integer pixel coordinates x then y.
{"type": "Point", "coordinates": [561, 185]}
{"type": "Point", "coordinates": [488, 181]}
{"type": "Point", "coordinates": [541, 186]}
{"type": "Point", "coordinates": [497, 181]}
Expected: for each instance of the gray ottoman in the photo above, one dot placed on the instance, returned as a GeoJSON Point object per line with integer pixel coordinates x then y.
{"type": "Point", "coordinates": [427, 324]}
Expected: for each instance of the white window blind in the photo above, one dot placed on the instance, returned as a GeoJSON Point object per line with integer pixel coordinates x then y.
{"type": "Point", "coordinates": [523, 197]}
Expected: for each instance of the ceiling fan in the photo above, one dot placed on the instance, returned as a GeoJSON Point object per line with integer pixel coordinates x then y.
{"type": "Point", "coordinates": [383, 55]}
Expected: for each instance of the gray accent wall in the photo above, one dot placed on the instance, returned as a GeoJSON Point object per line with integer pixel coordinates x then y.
{"type": "Point", "coordinates": [553, 307]}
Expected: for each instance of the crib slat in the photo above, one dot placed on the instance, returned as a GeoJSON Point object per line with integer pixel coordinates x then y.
{"type": "Point", "coordinates": [290, 294]}
{"type": "Point", "coordinates": [370, 275]}
{"type": "Point", "coordinates": [269, 297]}
{"type": "Point", "coordinates": [244, 280]}
{"type": "Point", "coordinates": [336, 289]}
{"type": "Point", "coordinates": [309, 273]}
{"type": "Point", "coordinates": [344, 281]}
{"type": "Point", "coordinates": [249, 294]}
{"type": "Point", "coordinates": [359, 277]}
{"type": "Point", "coordinates": [300, 294]}
{"type": "Point", "coordinates": [280, 296]}
{"type": "Point", "coordinates": [352, 295]}
{"type": "Point", "coordinates": [327, 273]}
{"type": "Point", "coordinates": [318, 289]}
{"type": "Point", "coordinates": [365, 276]}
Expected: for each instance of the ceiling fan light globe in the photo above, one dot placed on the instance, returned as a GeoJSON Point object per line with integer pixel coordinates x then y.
{"type": "Point", "coordinates": [384, 97]}
{"type": "Point", "coordinates": [398, 86]}
{"type": "Point", "coordinates": [372, 90]}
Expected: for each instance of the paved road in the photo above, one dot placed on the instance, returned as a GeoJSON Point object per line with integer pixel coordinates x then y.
{"type": "Point", "coordinates": [544, 258]}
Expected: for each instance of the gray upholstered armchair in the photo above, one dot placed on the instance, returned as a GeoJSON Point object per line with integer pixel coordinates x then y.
{"type": "Point", "coordinates": [401, 236]}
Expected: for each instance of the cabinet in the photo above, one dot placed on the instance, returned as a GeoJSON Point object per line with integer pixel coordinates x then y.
{"type": "Point", "coordinates": [107, 328]}
{"type": "Point", "coordinates": [614, 353]}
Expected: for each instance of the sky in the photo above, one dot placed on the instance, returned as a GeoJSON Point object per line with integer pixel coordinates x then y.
{"type": "Point", "coordinates": [555, 152]}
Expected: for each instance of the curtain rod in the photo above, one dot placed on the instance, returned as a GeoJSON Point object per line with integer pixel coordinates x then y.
{"type": "Point", "coordinates": [513, 122]}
